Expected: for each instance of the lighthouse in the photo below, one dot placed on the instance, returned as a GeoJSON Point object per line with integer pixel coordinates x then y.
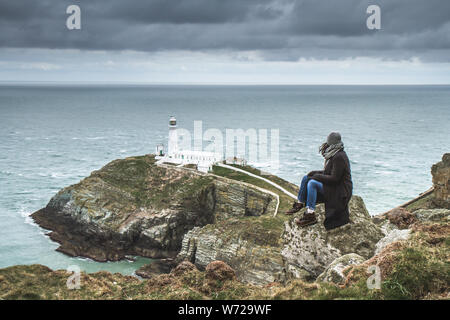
{"type": "Point", "coordinates": [173, 138]}
{"type": "Point", "coordinates": [202, 160]}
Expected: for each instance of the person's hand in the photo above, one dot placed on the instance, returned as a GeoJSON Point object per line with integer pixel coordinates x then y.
{"type": "Point", "coordinates": [309, 175]}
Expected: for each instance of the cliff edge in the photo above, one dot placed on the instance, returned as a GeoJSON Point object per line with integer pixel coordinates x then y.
{"type": "Point", "coordinates": [222, 239]}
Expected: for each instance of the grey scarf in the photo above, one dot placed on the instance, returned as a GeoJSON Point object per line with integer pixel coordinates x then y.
{"type": "Point", "coordinates": [328, 152]}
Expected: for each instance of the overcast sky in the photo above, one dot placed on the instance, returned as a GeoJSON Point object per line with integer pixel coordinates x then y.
{"type": "Point", "coordinates": [226, 41]}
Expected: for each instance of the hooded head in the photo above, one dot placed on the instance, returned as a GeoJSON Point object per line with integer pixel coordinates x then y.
{"type": "Point", "coordinates": [332, 146]}
{"type": "Point", "coordinates": [333, 138]}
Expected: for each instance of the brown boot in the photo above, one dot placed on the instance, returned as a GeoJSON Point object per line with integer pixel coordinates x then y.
{"type": "Point", "coordinates": [296, 207]}
{"type": "Point", "coordinates": [307, 220]}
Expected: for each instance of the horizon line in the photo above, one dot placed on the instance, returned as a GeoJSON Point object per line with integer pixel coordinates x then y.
{"type": "Point", "coordinates": [12, 82]}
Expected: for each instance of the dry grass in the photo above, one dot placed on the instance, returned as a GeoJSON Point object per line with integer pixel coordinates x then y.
{"type": "Point", "coordinates": [418, 268]}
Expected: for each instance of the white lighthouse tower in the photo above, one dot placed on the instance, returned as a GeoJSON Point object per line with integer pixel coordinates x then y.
{"type": "Point", "coordinates": [172, 147]}
{"type": "Point", "coordinates": [202, 160]}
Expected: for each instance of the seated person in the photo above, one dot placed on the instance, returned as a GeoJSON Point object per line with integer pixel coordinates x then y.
{"type": "Point", "coordinates": [332, 186]}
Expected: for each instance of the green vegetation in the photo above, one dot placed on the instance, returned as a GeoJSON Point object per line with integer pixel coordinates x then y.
{"type": "Point", "coordinates": [145, 184]}
{"type": "Point", "coordinates": [285, 200]}
{"type": "Point", "coordinates": [262, 231]}
{"type": "Point", "coordinates": [423, 203]}
{"type": "Point", "coordinates": [130, 176]}
{"type": "Point", "coordinates": [281, 182]}
{"type": "Point", "coordinates": [265, 229]}
{"type": "Point", "coordinates": [414, 269]}
{"type": "Point", "coordinates": [418, 268]}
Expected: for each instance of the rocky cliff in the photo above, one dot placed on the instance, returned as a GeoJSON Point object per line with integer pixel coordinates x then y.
{"type": "Point", "coordinates": [269, 249]}
{"type": "Point", "coordinates": [251, 247]}
{"type": "Point", "coordinates": [441, 182]}
{"type": "Point", "coordinates": [413, 268]}
{"type": "Point", "coordinates": [134, 207]}
{"type": "Point", "coordinates": [308, 251]}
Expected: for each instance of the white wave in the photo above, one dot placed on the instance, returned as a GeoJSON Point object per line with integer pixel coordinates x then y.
{"type": "Point", "coordinates": [26, 214]}
{"type": "Point", "coordinates": [95, 138]}
{"type": "Point", "coordinates": [58, 175]}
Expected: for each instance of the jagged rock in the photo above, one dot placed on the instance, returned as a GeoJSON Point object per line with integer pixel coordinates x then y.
{"type": "Point", "coordinates": [400, 217]}
{"type": "Point", "coordinates": [134, 207]}
{"type": "Point", "coordinates": [425, 215]}
{"type": "Point", "coordinates": [183, 267]}
{"type": "Point", "coordinates": [219, 270]}
{"type": "Point", "coordinates": [250, 247]}
{"type": "Point", "coordinates": [386, 227]}
{"type": "Point", "coordinates": [313, 248]}
{"type": "Point", "coordinates": [295, 272]}
{"type": "Point", "coordinates": [384, 224]}
{"type": "Point", "coordinates": [392, 236]}
{"type": "Point", "coordinates": [334, 272]}
{"type": "Point", "coordinates": [441, 182]}
{"type": "Point", "coordinates": [155, 268]}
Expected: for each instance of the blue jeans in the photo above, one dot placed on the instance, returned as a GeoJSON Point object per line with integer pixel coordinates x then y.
{"type": "Point", "coordinates": [308, 191]}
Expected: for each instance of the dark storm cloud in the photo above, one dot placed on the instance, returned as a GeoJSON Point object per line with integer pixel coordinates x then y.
{"type": "Point", "coordinates": [190, 11]}
{"type": "Point", "coordinates": [278, 29]}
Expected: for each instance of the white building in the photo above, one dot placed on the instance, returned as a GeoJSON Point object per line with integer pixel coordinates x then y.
{"type": "Point", "coordinates": [202, 159]}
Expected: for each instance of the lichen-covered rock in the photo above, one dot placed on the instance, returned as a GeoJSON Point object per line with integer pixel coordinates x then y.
{"type": "Point", "coordinates": [393, 236]}
{"type": "Point", "coordinates": [425, 215]}
{"type": "Point", "coordinates": [219, 270]}
{"type": "Point", "coordinates": [251, 246]}
{"type": "Point", "coordinates": [134, 207]}
{"type": "Point", "coordinates": [334, 272]}
{"type": "Point", "coordinates": [313, 248]}
{"type": "Point", "coordinates": [384, 224]}
{"type": "Point", "coordinates": [441, 182]}
{"type": "Point", "coordinates": [386, 227]}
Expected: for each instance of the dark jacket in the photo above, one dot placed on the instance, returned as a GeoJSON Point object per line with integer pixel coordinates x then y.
{"type": "Point", "coordinates": [337, 189]}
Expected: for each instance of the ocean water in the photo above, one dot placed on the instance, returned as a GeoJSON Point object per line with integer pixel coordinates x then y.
{"type": "Point", "coordinates": [53, 136]}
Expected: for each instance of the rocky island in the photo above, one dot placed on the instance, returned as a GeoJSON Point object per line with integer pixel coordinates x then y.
{"type": "Point", "coordinates": [219, 235]}
{"type": "Point", "coordinates": [134, 207]}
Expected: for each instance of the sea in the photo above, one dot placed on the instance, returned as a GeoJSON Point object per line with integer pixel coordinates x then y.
{"type": "Point", "coordinates": [53, 135]}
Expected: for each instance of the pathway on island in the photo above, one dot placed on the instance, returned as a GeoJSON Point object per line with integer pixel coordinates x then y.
{"type": "Point", "coordinates": [263, 179]}
{"type": "Point", "coordinates": [258, 177]}
{"type": "Point", "coordinates": [161, 163]}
